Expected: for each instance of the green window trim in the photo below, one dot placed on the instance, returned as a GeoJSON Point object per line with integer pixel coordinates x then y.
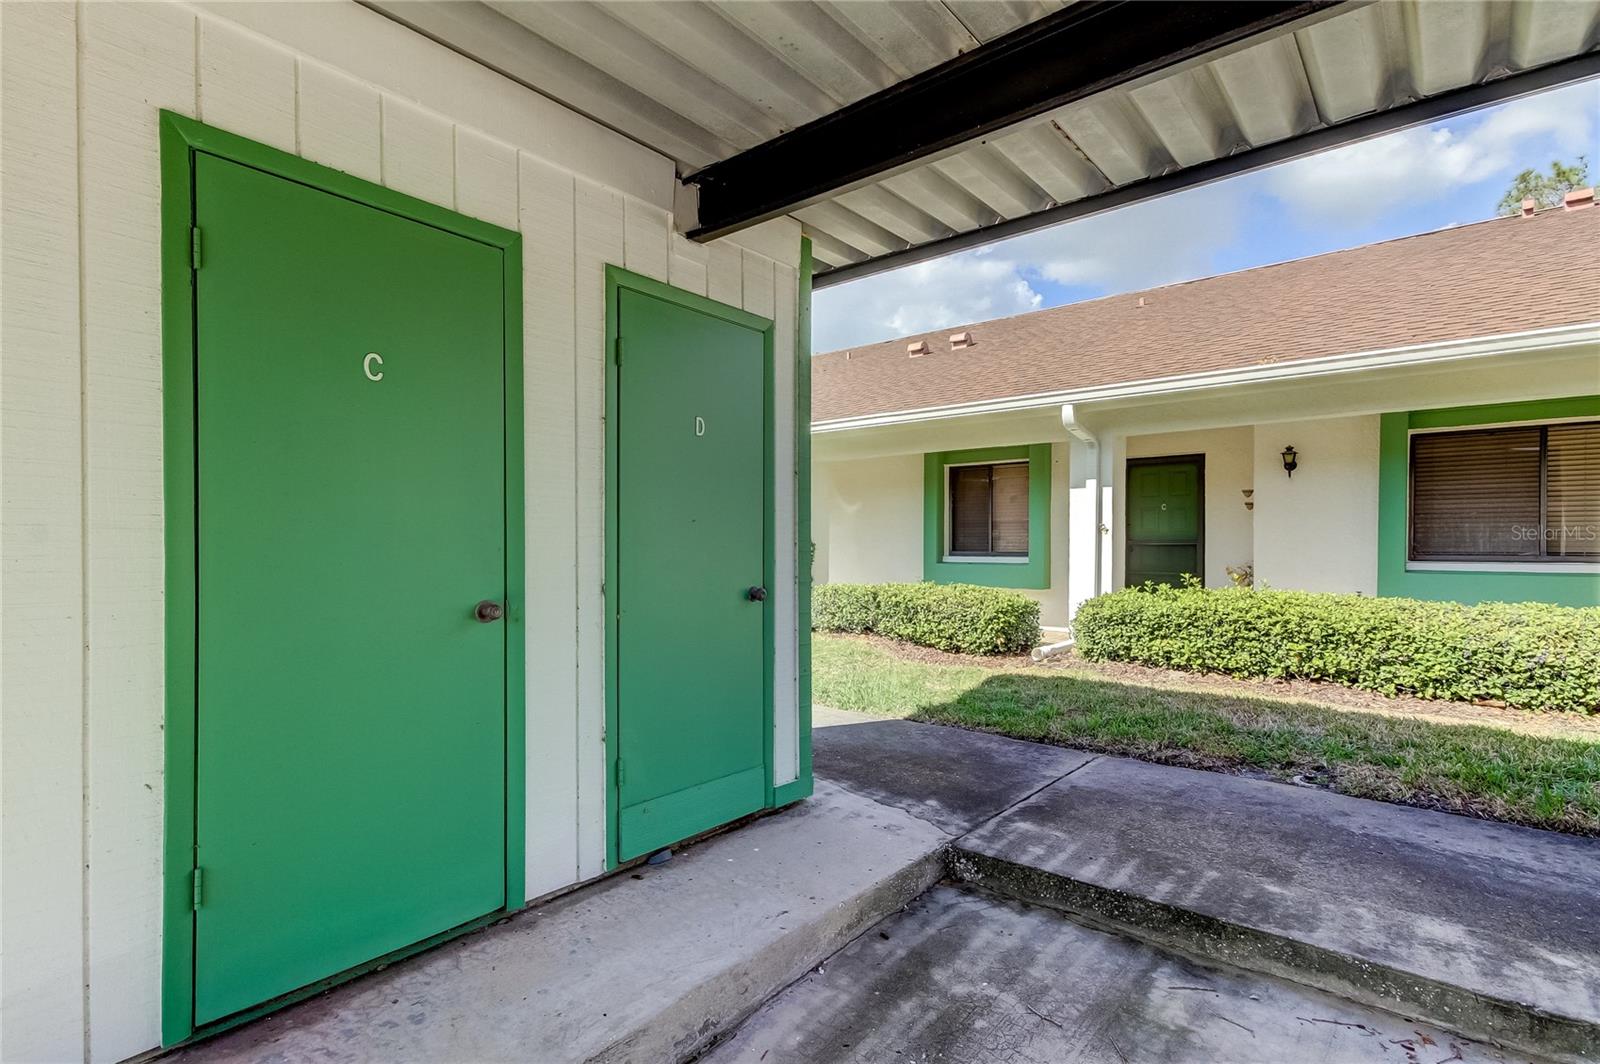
{"type": "Point", "coordinates": [1562, 583]}
{"type": "Point", "coordinates": [1032, 574]}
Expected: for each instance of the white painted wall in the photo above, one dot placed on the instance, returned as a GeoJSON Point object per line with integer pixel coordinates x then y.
{"type": "Point", "coordinates": [1230, 459]}
{"type": "Point", "coordinates": [867, 521]}
{"type": "Point", "coordinates": [1318, 530]}
{"type": "Point", "coordinates": [81, 651]}
{"type": "Point", "coordinates": [872, 510]}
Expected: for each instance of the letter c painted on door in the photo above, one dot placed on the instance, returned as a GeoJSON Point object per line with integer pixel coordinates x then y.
{"type": "Point", "coordinates": [367, 364]}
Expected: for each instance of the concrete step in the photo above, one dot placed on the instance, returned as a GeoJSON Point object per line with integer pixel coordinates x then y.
{"type": "Point", "coordinates": [1482, 928]}
{"type": "Point", "coordinates": [964, 977]}
{"type": "Point", "coordinates": [648, 966]}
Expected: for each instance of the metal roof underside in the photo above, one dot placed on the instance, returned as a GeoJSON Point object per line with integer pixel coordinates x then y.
{"type": "Point", "coordinates": [704, 81]}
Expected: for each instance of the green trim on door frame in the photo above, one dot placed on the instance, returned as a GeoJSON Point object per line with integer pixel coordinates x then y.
{"type": "Point", "coordinates": [617, 279]}
{"type": "Point", "coordinates": [1033, 573]}
{"type": "Point", "coordinates": [802, 785]}
{"type": "Point", "coordinates": [181, 139]}
{"type": "Point", "coordinates": [1492, 581]}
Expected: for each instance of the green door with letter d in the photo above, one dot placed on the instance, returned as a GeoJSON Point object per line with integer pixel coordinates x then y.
{"type": "Point", "coordinates": [687, 587]}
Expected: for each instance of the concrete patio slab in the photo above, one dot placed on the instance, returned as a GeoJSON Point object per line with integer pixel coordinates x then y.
{"type": "Point", "coordinates": [644, 967]}
{"type": "Point", "coordinates": [1485, 928]}
{"type": "Point", "coordinates": [952, 778]}
{"type": "Point", "coordinates": [965, 978]}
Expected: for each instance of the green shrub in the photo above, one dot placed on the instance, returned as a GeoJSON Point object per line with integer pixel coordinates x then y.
{"type": "Point", "coordinates": [1528, 655]}
{"type": "Point", "coordinates": [963, 618]}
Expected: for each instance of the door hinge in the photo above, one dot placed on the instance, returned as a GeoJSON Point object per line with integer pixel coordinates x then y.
{"type": "Point", "coordinates": [194, 247]}
{"type": "Point", "coordinates": [616, 351]}
{"type": "Point", "coordinates": [621, 775]}
{"type": "Point", "coordinates": [197, 888]}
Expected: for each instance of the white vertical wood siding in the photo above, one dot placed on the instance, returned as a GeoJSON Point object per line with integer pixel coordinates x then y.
{"type": "Point", "coordinates": [82, 533]}
{"type": "Point", "coordinates": [41, 542]}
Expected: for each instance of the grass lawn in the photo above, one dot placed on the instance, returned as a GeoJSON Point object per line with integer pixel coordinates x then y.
{"type": "Point", "coordinates": [1540, 780]}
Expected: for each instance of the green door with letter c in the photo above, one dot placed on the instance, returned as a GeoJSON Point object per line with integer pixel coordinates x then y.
{"type": "Point", "coordinates": [351, 707]}
{"type": "Point", "coordinates": [1166, 520]}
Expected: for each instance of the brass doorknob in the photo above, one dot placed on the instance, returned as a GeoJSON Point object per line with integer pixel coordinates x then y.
{"type": "Point", "coordinates": [488, 611]}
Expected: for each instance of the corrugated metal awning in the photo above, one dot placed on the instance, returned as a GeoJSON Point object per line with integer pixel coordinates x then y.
{"type": "Point", "coordinates": [703, 82]}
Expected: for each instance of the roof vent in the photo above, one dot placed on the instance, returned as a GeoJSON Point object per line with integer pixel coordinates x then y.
{"type": "Point", "coordinates": [1578, 197]}
{"type": "Point", "coordinates": [960, 340]}
{"type": "Point", "coordinates": [917, 348]}
{"type": "Point", "coordinates": [1143, 302]}
{"type": "Point", "coordinates": [1529, 205]}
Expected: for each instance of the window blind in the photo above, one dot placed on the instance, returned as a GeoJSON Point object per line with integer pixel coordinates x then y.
{"type": "Point", "coordinates": [989, 509]}
{"type": "Point", "coordinates": [1011, 509]}
{"type": "Point", "coordinates": [1525, 492]}
{"type": "Point", "coordinates": [1572, 491]}
{"type": "Point", "coordinates": [969, 510]}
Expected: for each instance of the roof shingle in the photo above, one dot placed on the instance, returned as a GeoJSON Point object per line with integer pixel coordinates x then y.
{"type": "Point", "coordinates": [1505, 275]}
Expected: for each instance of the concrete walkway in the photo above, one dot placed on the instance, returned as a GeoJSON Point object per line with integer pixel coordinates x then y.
{"type": "Point", "coordinates": [649, 966]}
{"type": "Point", "coordinates": [968, 978]}
{"type": "Point", "coordinates": [1486, 928]}
{"type": "Point", "coordinates": [1483, 928]}
{"type": "Point", "coordinates": [1198, 917]}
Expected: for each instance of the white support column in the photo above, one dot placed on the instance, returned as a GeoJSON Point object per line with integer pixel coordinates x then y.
{"type": "Point", "coordinates": [1091, 498]}
{"type": "Point", "coordinates": [1113, 458]}
{"type": "Point", "coordinates": [1083, 523]}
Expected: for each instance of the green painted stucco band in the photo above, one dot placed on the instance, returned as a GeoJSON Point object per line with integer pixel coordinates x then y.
{"type": "Point", "coordinates": [1496, 582]}
{"type": "Point", "coordinates": [182, 142]}
{"type": "Point", "coordinates": [1033, 574]}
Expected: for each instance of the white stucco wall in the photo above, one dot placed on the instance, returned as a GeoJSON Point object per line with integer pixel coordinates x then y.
{"type": "Point", "coordinates": [82, 529]}
{"type": "Point", "coordinates": [1318, 530]}
{"type": "Point", "coordinates": [872, 510]}
{"type": "Point", "coordinates": [1229, 469]}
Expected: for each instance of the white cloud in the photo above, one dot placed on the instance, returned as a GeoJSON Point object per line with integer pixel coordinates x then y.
{"type": "Point", "coordinates": [1201, 231]}
{"type": "Point", "coordinates": [972, 286]}
{"type": "Point", "coordinates": [1155, 243]}
{"type": "Point", "coordinates": [1361, 183]}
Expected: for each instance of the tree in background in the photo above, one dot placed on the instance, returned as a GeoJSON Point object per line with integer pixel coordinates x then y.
{"type": "Point", "coordinates": [1546, 190]}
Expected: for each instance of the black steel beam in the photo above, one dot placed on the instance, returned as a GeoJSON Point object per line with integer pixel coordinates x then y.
{"type": "Point", "coordinates": [1433, 109]}
{"type": "Point", "coordinates": [1083, 49]}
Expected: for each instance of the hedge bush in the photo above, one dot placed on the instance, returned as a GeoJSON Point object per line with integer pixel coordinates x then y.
{"type": "Point", "coordinates": [1527, 655]}
{"type": "Point", "coordinates": [963, 618]}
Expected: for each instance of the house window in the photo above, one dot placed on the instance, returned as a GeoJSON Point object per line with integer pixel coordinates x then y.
{"type": "Point", "coordinates": [1522, 493]}
{"type": "Point", "coordinates": [989, 510]}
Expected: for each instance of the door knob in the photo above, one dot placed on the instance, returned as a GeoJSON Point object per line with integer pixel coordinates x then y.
{"type": "Point", "coordinates": [488, 611]}
{"type": "Point", "coordinates": [756, 594]}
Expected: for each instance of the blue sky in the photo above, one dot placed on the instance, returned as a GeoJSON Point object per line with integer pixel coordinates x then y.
{"type": "Point", "coordinates": [1413, 181]}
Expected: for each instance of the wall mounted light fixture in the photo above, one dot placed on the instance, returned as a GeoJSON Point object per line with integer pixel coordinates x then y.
{"type": "Point", "coordinates": [1291, 460]}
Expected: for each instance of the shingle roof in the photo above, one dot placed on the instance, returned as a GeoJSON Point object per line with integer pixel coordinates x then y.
{"type": "Point", "coordinates": [1505, 275]}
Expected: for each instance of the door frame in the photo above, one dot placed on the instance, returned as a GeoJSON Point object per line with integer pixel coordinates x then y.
{"type": "Point", "coordinates": [181, 139]}
{"type": "Point", "coordinates": [1199, 461]}
{"type": "Point", "coordinates": [617, 279]}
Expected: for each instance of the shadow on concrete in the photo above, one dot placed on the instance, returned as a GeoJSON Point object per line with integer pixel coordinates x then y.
{"type": "Point", "coordinates": [953, 779]}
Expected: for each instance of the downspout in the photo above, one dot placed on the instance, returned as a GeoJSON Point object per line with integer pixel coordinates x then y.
{"type": "Point", "coordinates": [1078, 430]}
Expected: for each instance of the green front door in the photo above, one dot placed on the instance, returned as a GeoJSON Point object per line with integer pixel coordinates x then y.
{"type": "Point", "coordinates": [690, 533]}
{"type": "Point", "coordinates": [350, 787]}
{"type": "Point", "coordinates": [1166, 510]}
